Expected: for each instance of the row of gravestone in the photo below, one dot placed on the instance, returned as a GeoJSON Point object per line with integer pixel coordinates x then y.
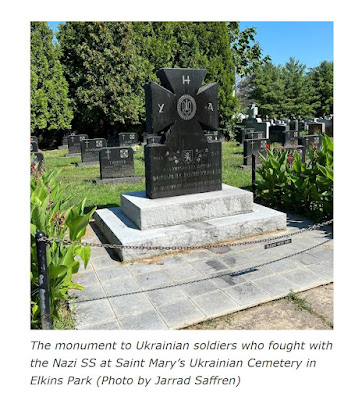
{"type": "Point", "coordinates": [312, 125]}
{"type": "Point", "coordinates": [254, 143]}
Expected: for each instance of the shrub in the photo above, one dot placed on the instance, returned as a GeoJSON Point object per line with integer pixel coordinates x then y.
{"type": "Point", "coordinates": [302, 187]}
{"type": "Point", "coordinates": [50, 214]}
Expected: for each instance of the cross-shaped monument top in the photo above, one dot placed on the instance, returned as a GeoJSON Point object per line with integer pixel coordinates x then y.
{"type": "Point", "coordinates": [186, 162]}
{"type": "Point", "coordinates": [181, 103]}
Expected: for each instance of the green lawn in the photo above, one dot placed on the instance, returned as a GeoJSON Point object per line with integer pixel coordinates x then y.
{"type": "Point", "coordinates": [78, 180]}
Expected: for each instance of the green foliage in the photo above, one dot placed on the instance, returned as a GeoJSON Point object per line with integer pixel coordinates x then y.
{"type": "Point", "coordinates": [51, 213]}
{"type": "Point", "coordinates": [268, 88]}
{"type": "Point", "coordinates": [299, 94]}
{"type": "Point", "coordinates": [108, 63]}
{"type": "Point", "coordinates": [290, 91]}
{"type": "Point", "coordinates": [105, 72]}
{"type": "Point", "coordinates": [50, 105]}
{"type": "Point", "coordinates": [321, 79]}
{"type": "Point", "coordinates": [247, 54]}
{"type": "Point", "coordinates": [302, 187]}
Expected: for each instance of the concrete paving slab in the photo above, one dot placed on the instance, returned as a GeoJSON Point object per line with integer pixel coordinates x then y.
{"type": "Point", "coordinates": [196, 255]}
{"type": "Point", "coordinates": [210, 267]}
{"type": "Point", "coordinates": [302, 277]}
{"type": "Point", "coordinates": [247, 294]}
{"type": "Point", "coordinates": [180, 314]}
{"type": "Point", "coordinates": [162, 297]}
{"type": "Point", "coordinates": [275, 285]}
{"type": "Point", "coordinates": [109, 273]}
{"type": "Point", "coordinates": [93, 313]}
{"type": "Point", "coordinates": [182, 272]}
{"type": "Point", "coordinates": [215, 303]}
{"type": "Point", "coordinates": [199, 288]}
{"type": "Point", "coordinates": [153, 279]}
{"type": "Point", "coordinates": [149, 320]}
{"type": "Point", "coordinates": [173, 291]}
{"type": "Point", "coordinates": [89, 292]}
{"type": "Point", "coordinates": [121, 286]}
{"type": "Point", "coordinates": [130, 304]}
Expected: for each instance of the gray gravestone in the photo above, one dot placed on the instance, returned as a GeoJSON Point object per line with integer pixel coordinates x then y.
{"type": "Point", "coordinates": [254, 146]}
{"type": "Point", "coordinates": [254, 135]}
{"type": "Point", "coordinates": [187, 162]}
{"type": "Point", "coordinates": [212, 135]}
{"type": "Point", "coordinates": [310, 142]}
{"type": "Point", "coordinates": [74, 144]}
{"type": "Point", "coordinates": [90, 149]}
{"type": "Point", "coordinates": [276, 133]}
{"type": "Point", "coordinates": [117, 165]}
{"type": "Point", "coordinates": [290, 138]}
{"type": "Point", "coordinates": [34, 147]}
{"type": "Point", "coordinates": [38, 158]}
{"type": "Point", "coordinates": [127, 139]}
{"type": "Point", "coordinates": [316, 128]}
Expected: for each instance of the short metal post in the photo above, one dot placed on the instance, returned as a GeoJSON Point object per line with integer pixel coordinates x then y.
{"type": "Point", "coordinates": [46, 319]}
{"type": "Point", "coordinates": [253, 172]}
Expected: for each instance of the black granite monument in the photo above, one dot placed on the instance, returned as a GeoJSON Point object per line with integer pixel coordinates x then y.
{"type": "Point", "coordinates": [254, 146]}
{"type": "Point", "coordinates": [187, 162]}
{"type": "Point", "coordinates": [117, 166]}
{"type": "Point", "coordinates": [90, 148]}
{"type": "Point", "coordinates": [127, 139]}
{"type": "Point", "coordinates": [74, 143]}
{"type": "Point", "coordinates": [116, 162]}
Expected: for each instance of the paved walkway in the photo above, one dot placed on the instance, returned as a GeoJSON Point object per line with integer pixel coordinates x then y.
{"type": "Point", "coordinates": [176, 291]}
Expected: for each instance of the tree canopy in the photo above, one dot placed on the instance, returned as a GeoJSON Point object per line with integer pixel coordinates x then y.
{"type": "Point", "coordinates": [50, 104]}
{"type": "Point", "coordinates": [290, 90]}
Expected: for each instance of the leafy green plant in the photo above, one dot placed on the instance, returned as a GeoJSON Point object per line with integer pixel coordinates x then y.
{"type": "Point", "coordinates": [302, 187]}
{"type": "Point", "coordinates": [50, 213]}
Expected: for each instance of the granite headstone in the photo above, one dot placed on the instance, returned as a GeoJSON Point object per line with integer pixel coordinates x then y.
{"type": "Point", "coordinates": [90, 149]}
{"type": "Point", "coordinates": [74, 143]}
{"type": "Point", "coordinates": [127, 139]}
{"type": "Point", "coordinates": [254, 146]}
{"type": "Point", "coordinates": [187, 162]}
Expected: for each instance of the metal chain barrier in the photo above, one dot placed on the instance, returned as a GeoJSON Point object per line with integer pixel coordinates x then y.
{"type": "Point", "coordinates": [207, 278]}
{"type": "Point", "coordinates": [210, 246]}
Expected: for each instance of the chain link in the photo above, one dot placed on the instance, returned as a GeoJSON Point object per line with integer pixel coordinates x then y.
{"type": "Point", "coordinates": [210, 246]}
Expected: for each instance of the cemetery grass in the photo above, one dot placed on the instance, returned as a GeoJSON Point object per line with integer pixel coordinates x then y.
{"type": "Point", "coordinates": [78, 181]}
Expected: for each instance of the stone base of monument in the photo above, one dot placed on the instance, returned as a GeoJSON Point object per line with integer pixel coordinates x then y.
{"type": "Point", "coordinates": [188, 220]}
{"type": "Point", "coordinates": [63, 147]}
{"type": "Point", "coordinates": [115, 181]}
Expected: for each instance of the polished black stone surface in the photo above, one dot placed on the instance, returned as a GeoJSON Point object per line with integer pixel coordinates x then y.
{"type": "Point", "coordinates": [89, 149]}
{"type": "Point", "coordinates": [116, 162]}
{"type": "Point", "coordinates": [254, 146]}
{"type": "Point", "coordinates": [127, 139]}
{"type": "Point", "coordinates": [275, 133]}
{"type": "Point", "coordinates": [74, 142]}
{"type": "Point", "coordinates": [187, 162]}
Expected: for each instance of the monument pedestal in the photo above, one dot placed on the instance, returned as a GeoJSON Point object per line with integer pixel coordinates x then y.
{"type": "Point", "coordinates": [189, 220]}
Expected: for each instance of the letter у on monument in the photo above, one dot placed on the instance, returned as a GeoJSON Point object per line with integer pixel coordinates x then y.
{"type": "Point", "coordinates": [187, 162]}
